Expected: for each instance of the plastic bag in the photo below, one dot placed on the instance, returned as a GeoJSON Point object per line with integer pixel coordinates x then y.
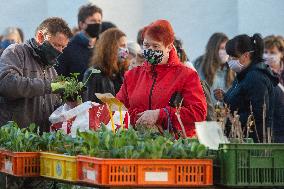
{"type": "Point", "coordinates": [88, 115]}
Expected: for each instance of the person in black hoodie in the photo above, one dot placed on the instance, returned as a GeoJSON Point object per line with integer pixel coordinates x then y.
{"type": "Point", "coordinates": [76, 56]}
{"type": "Point", "coordinates": [254, 85]}
{"type": "Point", "coordinates": [110, 58]}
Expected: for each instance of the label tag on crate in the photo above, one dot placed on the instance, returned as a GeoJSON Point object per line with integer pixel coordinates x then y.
{"type": "Point", "coordinates": [58, 168]}
{"type": "Point", "coordinates": [156, 176]}
{"type": "Point", "coordinates": [9, 166]}
{"type": "Point", "coordinates": [91, 175]}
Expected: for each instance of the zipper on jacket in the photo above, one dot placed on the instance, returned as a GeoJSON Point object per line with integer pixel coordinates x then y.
{"type": "Point", "coordinates": [154, 77]}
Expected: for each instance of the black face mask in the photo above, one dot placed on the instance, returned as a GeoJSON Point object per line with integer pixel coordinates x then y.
{"type": "Point", "coordinates": [48, 53]}
{"type": "Point", "coordinates": [93, 30]}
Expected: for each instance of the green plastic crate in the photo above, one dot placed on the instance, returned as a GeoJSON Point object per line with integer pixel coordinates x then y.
{"type": "Point", "coordinates": [251, 165]}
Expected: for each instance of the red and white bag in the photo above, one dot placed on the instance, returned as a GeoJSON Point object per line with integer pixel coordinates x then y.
{"type": "Point", "coordinates": [88, 115]}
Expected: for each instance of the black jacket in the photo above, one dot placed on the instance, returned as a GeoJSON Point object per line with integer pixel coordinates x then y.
{"type": "Point", "coordinates": [278, 118]}
{"type": "Point", "coordinates": [100, 83]}
{"type": "Point", "coordinates": [253, 85]}
{"type": "Point", "coordinates": [75, 57]}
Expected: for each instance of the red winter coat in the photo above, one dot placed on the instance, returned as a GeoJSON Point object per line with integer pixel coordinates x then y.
{"type": "Point", "coordinates": [142, 91]}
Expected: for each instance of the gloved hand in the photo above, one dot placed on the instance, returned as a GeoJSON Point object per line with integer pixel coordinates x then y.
{"type": "Point", "coordinates": [148, 117]}
{"type": "Point", "coordinates": [58, 87]}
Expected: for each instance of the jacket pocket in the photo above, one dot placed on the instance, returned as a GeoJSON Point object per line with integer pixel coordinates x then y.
{"type": "Point", "coordinates": [34, 74]}
{"type": "Point", "coordinates": [31, 73]}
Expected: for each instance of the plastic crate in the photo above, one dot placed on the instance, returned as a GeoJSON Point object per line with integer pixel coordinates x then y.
{"type": "Point", "coordinates": [58, 166]}
{"type": "Point", "coordinates": [24, 164]}
{"type": "Point", "coordinates": [251, 165]}
{"type": "Point", "coordinates": [144, 172]}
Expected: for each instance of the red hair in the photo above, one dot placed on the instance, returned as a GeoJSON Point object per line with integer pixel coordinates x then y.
{"type": "Point", "coordinates": [160, 30]}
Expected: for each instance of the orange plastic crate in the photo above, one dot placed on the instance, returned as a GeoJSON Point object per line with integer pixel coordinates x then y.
{"type": "Point", "coordinates": [145, 172]}
{"type": "Point", "coordinates": [24, 164]}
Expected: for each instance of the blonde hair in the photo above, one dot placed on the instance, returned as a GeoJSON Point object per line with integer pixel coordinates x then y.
{"type": "Point", "coordinates": [275, 41]}
{"type": "Point", "coordinates": [12, 31]}
{"type": "Point", "coordinates": [133, 47]}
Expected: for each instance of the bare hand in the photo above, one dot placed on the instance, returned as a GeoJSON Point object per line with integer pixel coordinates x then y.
{"type": "Point", "coordinates": [219, 94]}
{"type": "Point", "coordinates": [148, 117]}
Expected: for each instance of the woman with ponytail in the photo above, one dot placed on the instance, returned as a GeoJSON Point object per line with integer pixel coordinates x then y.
{"type": "Point", "coordinates": [254, 85]}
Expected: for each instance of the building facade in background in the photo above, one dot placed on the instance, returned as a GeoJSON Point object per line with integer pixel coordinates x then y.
{"type": "Point", "coordinates": [193, 20]}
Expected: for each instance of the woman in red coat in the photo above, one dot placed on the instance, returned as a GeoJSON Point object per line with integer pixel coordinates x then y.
{"type": "Point", "coordinates": [151, 91]}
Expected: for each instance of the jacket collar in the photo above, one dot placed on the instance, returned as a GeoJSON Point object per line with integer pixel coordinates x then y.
{"type": "Point", "coordinates": [33, 47]}
{"type": "Point", "coordinates": [262, 68]}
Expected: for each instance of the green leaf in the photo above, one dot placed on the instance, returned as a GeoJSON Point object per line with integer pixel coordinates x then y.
{"type": "Point", "coordinates": [32, 127]}
{"type": "Point", "coordinates": [201, 151]}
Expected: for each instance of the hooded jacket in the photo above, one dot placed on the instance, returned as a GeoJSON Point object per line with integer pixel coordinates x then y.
{"type": "Point", "coordinates": [25, 91]}
{"type": "Point", "coordinates": [75, 57]}
{"type": "Point", "coordinates": [254, 85]}
{"type": "Point", "coordinates": [149, 87]}
{"type": "Point", "coordinates": [278, 116]}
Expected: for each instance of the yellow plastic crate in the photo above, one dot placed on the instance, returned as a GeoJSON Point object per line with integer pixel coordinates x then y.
{"type": "Point", "coordinates": [58, 166]}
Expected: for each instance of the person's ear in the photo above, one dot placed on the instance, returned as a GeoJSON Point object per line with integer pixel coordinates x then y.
{"type": "Point", "coordinates": [169, 47]}
{"type": "Point", "coordinates": [249, 55]}
{"type": "Point", "coordinates": [40, 37]}
{"type": "Point", "coordinates": [245, 56]}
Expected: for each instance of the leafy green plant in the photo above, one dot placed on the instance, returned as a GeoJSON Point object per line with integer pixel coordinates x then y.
{"type": "Point", "coordinates": [130, 144]}
{"type": "Point", "coordinates": [90, 143]}
{"type": "Point", "coordinates": [19, 140]}
{"type": "Point", "coordinates": [73, 88]}
{"type": "Point", "coordinates": [61, 143]}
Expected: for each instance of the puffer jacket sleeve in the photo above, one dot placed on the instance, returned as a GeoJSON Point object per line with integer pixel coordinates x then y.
{"type": "Point", "coordinates": [194, 108]}
{"type": "Point", "coordinates": [13, 85]}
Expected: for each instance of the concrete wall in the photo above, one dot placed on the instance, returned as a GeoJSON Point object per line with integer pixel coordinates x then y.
{"type": "Point", "coordinates": [194, 21]}
{"type": "Point", "coordinates": [28, 14]}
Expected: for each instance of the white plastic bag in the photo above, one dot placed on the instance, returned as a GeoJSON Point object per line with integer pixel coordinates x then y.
{"type": "Point", "coordinates": [88, 115]}
{"type": "Point", "coordinates": [210, 134]}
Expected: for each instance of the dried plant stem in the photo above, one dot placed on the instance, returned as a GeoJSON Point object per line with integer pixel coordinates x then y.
{"type": "Point", "coordinates": [263, 121]}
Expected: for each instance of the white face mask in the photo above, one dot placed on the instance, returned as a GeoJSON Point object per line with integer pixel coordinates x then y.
{"type": "Point", "coordinates": [236, 66]}
{"type": "Point", "coordinates": [271, 59]}
{"type": "Point", "coordinates": [223, 55]}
